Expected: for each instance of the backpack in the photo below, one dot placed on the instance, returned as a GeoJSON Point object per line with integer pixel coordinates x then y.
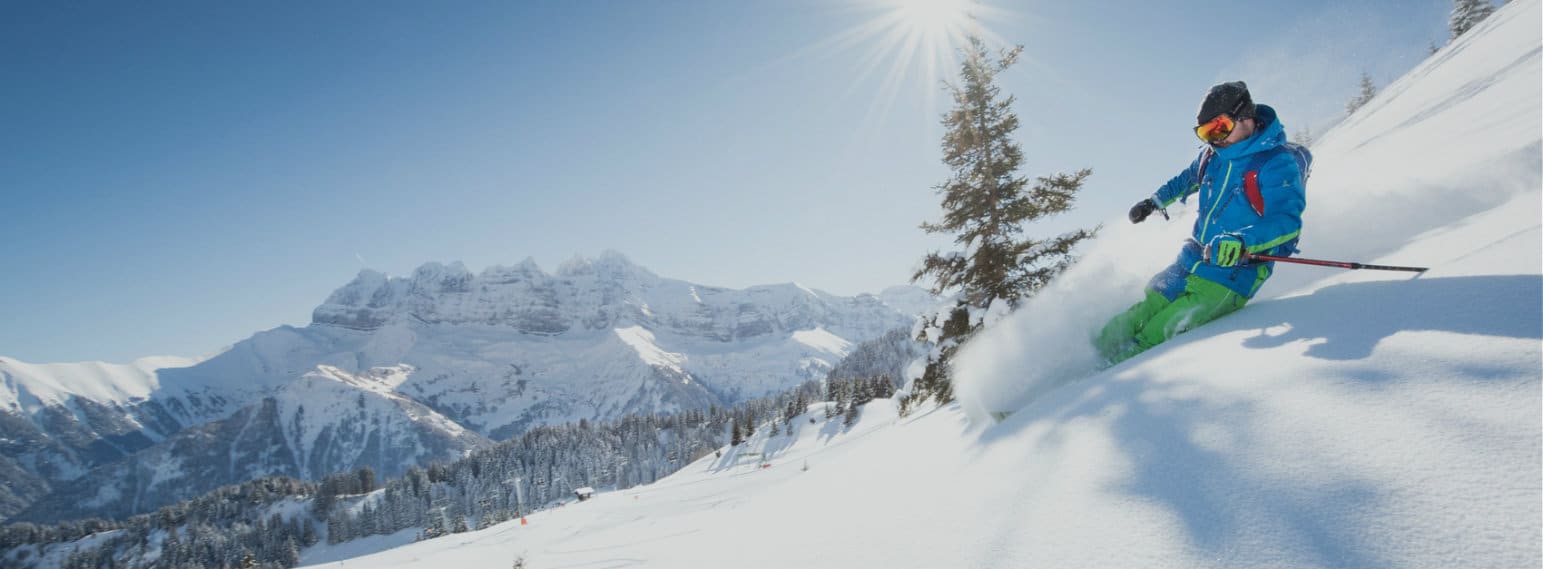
{"type": "Point", "coordinates": [1304, 158]}
{"type": "Point", "coordinates": [1301, 154]}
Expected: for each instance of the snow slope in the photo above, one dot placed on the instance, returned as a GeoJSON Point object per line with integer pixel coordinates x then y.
{"type": "Point", "coordinates": [1342, 420]}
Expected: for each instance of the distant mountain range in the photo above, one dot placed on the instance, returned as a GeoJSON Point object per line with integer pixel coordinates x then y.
{"type": "Point", "coordinates": [394, 371]}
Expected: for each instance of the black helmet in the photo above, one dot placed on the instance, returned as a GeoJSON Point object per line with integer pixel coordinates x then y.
{"type": "Point", "coordinates": [1227, 98]}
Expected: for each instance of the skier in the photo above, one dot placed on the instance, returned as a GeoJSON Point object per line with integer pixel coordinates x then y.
{"type": "Point", "coordinates": [1251, 201]}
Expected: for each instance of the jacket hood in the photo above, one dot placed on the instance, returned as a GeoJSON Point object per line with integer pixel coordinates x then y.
{"type": "Point", "coordinates": [1270, 135]}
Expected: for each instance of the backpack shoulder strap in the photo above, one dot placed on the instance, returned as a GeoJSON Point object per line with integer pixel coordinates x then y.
{"type": "Point", "coordinates": [1205, 160]}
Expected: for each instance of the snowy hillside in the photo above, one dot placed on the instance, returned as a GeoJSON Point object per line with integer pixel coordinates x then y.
{"type": "Point", "coordinates": [1340, 420]}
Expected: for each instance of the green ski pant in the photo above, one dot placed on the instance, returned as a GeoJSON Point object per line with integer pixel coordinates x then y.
{"type": "Point", "coordinates": [1156, 319]}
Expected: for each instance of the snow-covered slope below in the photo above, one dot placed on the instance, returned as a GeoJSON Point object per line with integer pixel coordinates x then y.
{"type": "Point", "coordinates": [1343, 420]}
{"type": "Point", "coordinates": [664, 524]}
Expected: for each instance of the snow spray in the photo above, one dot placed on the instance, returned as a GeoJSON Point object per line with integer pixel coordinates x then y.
{"type": "Point", "coordinates": [1047, 342]}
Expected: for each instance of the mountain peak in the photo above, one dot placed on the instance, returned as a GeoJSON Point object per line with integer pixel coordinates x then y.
{"type": "Point", "coordinates": [610, 265]}
{"type": "Point", "coordinates": [434, 278]}
{"type": "Point", "coordinates": [587, 293]}
{"type": "Point", "coordinates": [526, 270]}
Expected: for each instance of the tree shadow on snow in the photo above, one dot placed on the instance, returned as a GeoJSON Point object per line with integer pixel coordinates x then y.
{"type": "Point", "coordinates": [1223, 504]}
{"type": "Point", "coordinates": [1351, 319]}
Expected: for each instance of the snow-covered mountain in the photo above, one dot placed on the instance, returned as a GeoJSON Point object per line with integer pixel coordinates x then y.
{"type": "Point", "coordinates": [327, 421]}
{"type": "Point", "coordinates": [59, 420]}
{"type": "Point", "coordinates": [489, 355]}
{"type": "Point", "coordinates": [513, 347]}
{"type": "Point", "coordinates": [909, 299]}
{"type": "Point", "coordinates": [602, 294]}
{"type": "Point", "coordinates": [1342, 419]}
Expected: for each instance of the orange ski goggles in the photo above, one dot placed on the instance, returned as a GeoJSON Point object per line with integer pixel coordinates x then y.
{"type": "Point", "coordinates": [1217, 129]}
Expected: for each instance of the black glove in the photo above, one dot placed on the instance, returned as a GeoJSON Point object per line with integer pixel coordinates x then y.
{"type": "Point", "coordinates": [1142, 209]}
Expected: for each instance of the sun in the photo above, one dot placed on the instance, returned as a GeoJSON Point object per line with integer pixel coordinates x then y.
{"type": "Point", "coordinates": [924, 34]}
{"type": "Point", "coordinates": [934, 20]}
{"type": "Point", "coordinates": [911, 44]}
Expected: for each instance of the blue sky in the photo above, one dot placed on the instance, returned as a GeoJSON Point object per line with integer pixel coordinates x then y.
{"type": "Point", "coordinates": [181, 174]}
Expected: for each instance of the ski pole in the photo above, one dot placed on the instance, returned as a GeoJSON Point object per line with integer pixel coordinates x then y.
{"type": "Point", "coordinates": [1340, 264]}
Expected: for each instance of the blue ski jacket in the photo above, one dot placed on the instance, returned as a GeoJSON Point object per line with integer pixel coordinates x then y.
{"type": "Point", "coordinates": [1225, 209]}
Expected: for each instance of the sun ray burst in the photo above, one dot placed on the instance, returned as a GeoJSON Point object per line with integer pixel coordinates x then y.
{"type": "Point", "coordinates": [911, 44]}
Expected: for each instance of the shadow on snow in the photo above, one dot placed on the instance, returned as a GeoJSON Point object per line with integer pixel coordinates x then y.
{"type": "Point", "coordinates": [1220, 501]}
{"type": "Point", "coordinates": [1367, 312]}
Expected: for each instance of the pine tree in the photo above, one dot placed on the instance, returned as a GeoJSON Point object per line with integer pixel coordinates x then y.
{"type": "Point", "coordinates": [366, 480]}
{"type": "Point", "coordinates": [1468, 13]}
{"type": "Point", "coordinates": [365, 524]}
{"type": "Point", "coordinates": [985, 204]}
{"type": "Point", "coordinates": [886, 387]}
{"type": "Point", "coordinates": [1303, 136]}
{"type": "Point", "coordinates": [1368, 92]}
{"type": "Point", "coordinates": [935, 379]}
{"type": "Point", "coordinates": [308, 535]}
{"type": "Point", "coordinates": [290, 556]}
{"type": "Point", "coordinates": [436, 526]}
{"type": "Point", "coordinates": [322, 504]}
